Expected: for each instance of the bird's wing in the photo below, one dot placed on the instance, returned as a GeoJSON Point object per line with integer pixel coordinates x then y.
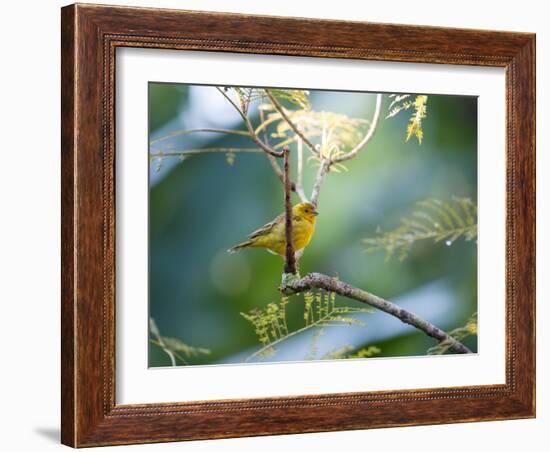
{"type": "Point", "coordinates": [266, 228]}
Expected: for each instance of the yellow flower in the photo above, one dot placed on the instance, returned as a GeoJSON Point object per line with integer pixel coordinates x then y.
{"type": "Point", "coordinates": [272, 235]}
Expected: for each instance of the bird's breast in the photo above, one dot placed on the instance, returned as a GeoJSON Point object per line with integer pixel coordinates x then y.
{"type": "Point", "coordinates": [301, 234]}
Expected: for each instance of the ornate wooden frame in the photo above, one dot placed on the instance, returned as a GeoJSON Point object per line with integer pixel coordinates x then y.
{"type": "Point", "coordinates": [90, 35]}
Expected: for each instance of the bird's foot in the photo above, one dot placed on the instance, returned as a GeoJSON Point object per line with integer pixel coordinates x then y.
{"type": "Point", "coordinates": [287, 279]}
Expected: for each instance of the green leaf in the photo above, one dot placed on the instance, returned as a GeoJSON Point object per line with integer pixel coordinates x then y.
{"type": "Point", "coordinates": [320, 312]}
{"type": "Point", "coordinates": [404, 102]}
{"type": "Point", "coordinates": [433, 220]}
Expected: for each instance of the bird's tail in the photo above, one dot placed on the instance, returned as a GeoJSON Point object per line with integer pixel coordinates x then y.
{"type": "Point", "coordinates": [240, 246]}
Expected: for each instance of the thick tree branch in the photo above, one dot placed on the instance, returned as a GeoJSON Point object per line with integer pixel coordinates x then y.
{"type": "Point", "coordinates": [290, 259]}
{"type": "Point", "coordinates": [350, 154]}
{"type": "Point", "coordinates": [320, 281]}
{"type": "Point", "coordinates": [290, 123]}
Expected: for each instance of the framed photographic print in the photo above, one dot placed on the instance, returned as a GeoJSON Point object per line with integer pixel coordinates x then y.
{"type": "Point", "coordinates": [281, 225]}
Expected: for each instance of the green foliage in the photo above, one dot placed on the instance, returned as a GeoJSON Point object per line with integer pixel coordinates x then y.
{"type": "Point", "coordinates": [334, 133]}
{"type": "Point", "coordinates": [432, 220]}
{"type": "Point", "coordinates": [367, 352]}
{"type": "Point", "coordinates": [320, 311]}
{"type": "Point", "coordinates": [347, 352]}
{"type": "Point", "coordinates": [230, 158]}
{"type": "Point", "coordinates": [295, 97]}
{"type": "Point", "coordinates": [174, 347]}
{"type": "Point", "coordinates": [469, 329]}
{"type": "Point", "coordinates": [269, 323]}
{"type": "Point", "coordinates": [245, 96]}
{"type": "Point", "coordinates": [401, 102]}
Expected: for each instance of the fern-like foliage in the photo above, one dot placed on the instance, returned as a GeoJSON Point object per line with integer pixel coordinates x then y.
{"type": "Point", "coordinates": [334, 133]}
{"type": "Point", "coordinates": [269, 323]}
{"type": "Point", "coordinates": [173, 347]}
{"type": "Point", "coordinates": [295, 97]}
{"type": "Point", "coordinates": [434, 220]}
{"type": "Point", "coordinates": [349, 352]}
{"type": "Point", "coordinates": [470, 329]}
{"type": "Point", "coordinates": [401, 102]}
{"type": "Point", "coordinates": [320, 312]}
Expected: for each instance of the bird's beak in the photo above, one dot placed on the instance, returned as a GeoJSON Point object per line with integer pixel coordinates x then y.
{"type": "Point", "coordinates": [315, 213]}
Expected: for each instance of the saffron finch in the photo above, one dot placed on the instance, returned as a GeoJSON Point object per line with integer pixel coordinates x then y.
{"type": "Point", "coordinates": [272, 236]}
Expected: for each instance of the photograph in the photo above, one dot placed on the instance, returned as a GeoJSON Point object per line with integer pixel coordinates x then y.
{"type": "Point", "coordinates": [382, 195]}
{"type": "Point", "coordinates": [283, 223]}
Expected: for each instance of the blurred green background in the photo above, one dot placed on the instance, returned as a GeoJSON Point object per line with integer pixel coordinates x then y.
{"type": "Point", "coordinates": [201, 206]}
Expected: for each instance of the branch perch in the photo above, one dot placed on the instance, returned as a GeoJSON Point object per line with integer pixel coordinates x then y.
{"type": "Point", "coordinates": [320, 281]}
{"type": "Point", "coordinates": [290, 258]}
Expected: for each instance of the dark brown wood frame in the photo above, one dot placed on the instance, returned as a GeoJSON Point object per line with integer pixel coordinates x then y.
{"type": "Point", "coordinates": [90, 36]}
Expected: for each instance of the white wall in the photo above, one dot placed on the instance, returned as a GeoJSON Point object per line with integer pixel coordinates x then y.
{"type": "Point", "coordinates": [29, 229]}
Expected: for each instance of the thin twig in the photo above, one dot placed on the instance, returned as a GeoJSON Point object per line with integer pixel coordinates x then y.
{"type": "Point", "coordinates": [321, 173]}
{"type": "Point", "coordinates": [189, 131]}
{"type": "Point", "coordinates": [320, 281]}
{"type": "Point", "coordinates": [177, 355]}
{"type": "Point", "coordinates": [272, 160]}
{"type": "Point", "coordinates": [290, 259]}
{"type": "Point", "coordinates": [299, 171]}
{"type": "Point", "coordinates": [268, 149]}
{"type": "Point", "coordinates": [187, 152]}
{"type": "Point", "coordinates": [290, 123]}
{"type": "Point", "coordinates": [262, 120]}
{"type": "Point", "coordinates": [273, 118]}
{"type": "Point", "coordinates": [155, 331]}
{"type": "Point", "coordinates": [276, 168]}
{"type": "Point", "coordinates": [368, 135]}
{"type": "Point", "coordinates": [326, 163]}
{"type": "Point", "coordinates": [233, 104]}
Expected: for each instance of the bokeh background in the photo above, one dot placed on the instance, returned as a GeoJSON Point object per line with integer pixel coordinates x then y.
{"type": "Point", "coordinates": [202, 205]}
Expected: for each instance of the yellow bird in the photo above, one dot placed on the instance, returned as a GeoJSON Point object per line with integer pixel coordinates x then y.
{"type": "Point", "coordinates": [272, 235]}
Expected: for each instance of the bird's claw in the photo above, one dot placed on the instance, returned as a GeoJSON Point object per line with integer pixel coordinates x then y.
{"type": "Point", "coordinates": [287, 279]}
